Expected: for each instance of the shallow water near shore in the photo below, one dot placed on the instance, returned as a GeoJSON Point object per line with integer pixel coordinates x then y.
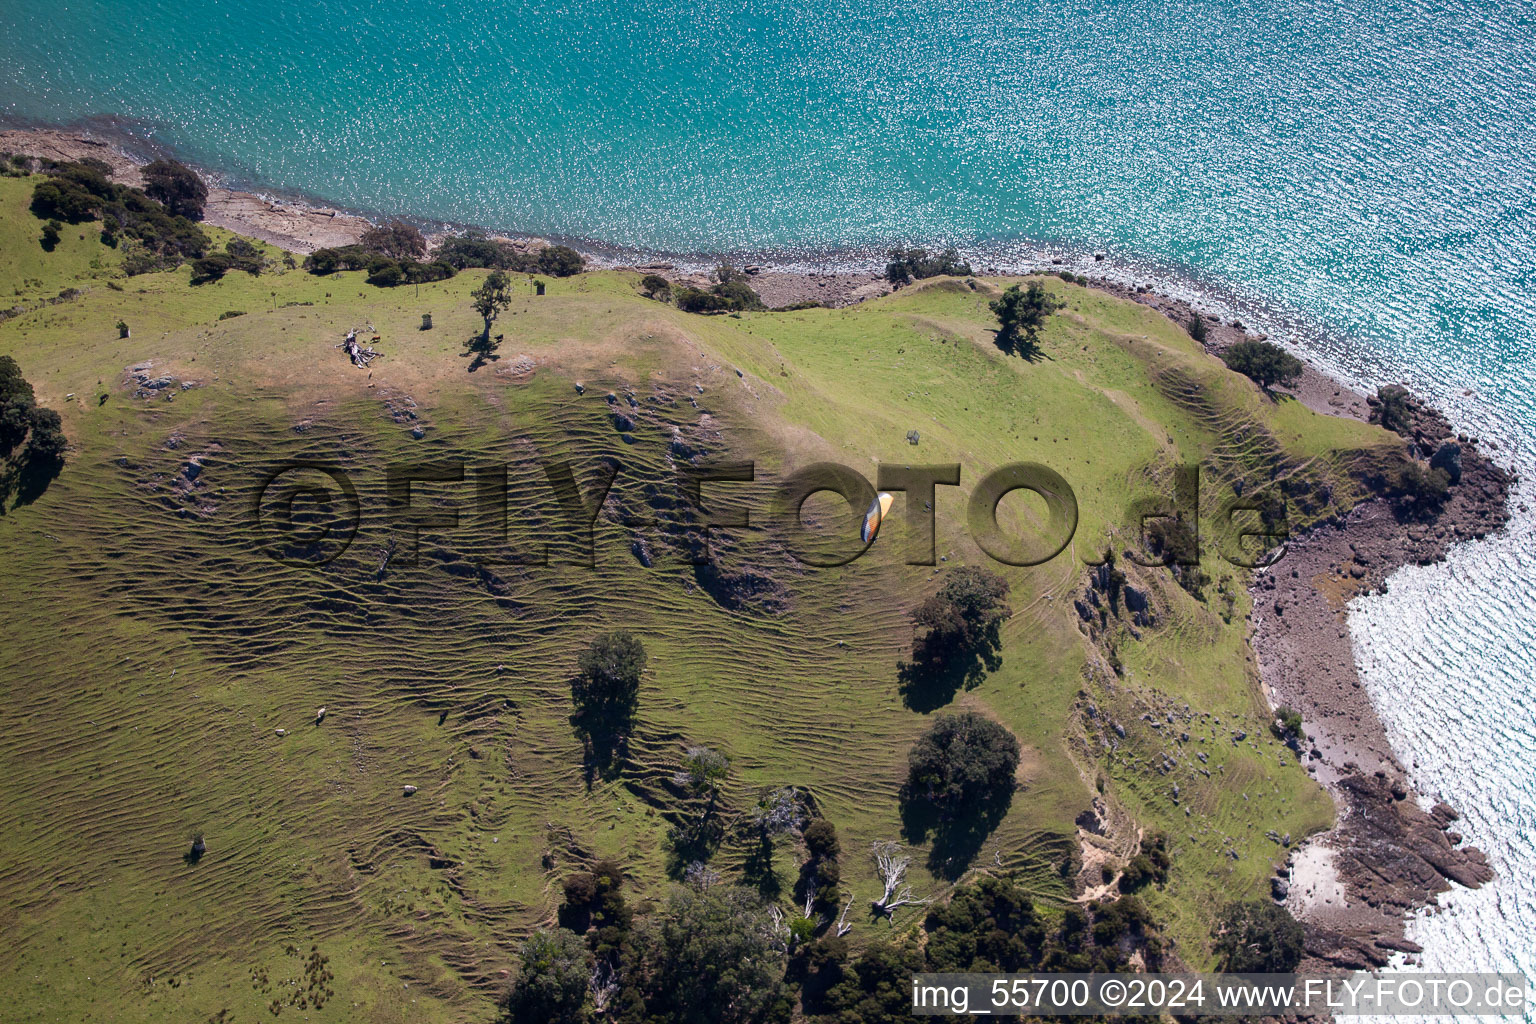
{"type": "Point", "coordinates": [1355, 178]}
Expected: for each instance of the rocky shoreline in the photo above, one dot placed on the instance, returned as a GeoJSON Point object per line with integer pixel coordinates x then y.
{"type": "Point", "coordinates": [1353, 886]}
{"type": "Point", "coordinates": [1388, 855]}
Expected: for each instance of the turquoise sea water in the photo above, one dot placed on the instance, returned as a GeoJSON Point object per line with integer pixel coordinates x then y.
{"type": "Point", "coordinates": [1358, 177]}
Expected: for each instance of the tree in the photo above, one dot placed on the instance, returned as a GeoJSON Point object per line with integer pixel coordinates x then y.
{"type": "Point", "coordinates": [46, 445]}
{"type": "Point", "coordinates": [51, 234]}
{"type": "Point", "coordinates": [211, 267]}
{"type": "Point", "coordinates": [1020, 313]}
{"type": "Point", "coordinates": [1258, 938]}
{"type": "Point", "coordinates": [17, 401]}
{"type": "Point", "coordinates": [492, 297]}
{"type": "Point", "coordinates": [703, 772]}
{"type": "Point", "coordinates": [475, 250]}
{"type": "Point", "coordinates": [605, 693]}
{"type": "Point", "coordinates": [989, 925]}
{"type": "Point", "coordinates": [956, 636]}
{"type": "Point", "coordinates": [1263, 363]}
{"type": "Point", "coordinates": [176, 187]}
{"type": "Point", "coordinates": [397, 240]}
{"type": "Point", "coordinates": [963, 761]}
{"type": "Point", "coordinates": [907, 264]}
{"type": "Point", "coordinates": [561, 261]}
{"type": "Point", "coordinates": [1393, 409]}
{"type": "Point", "coordinates": [608, 674]}
{"type": "Point", "coordinates": [554, 972]}
{"type": "Point", "coordinates": [656, 287]}
{"type": "Point", "coordinates": [876, 986]}
{"type": "Point", "coordinates": [1197, 328]}
{"type": "Point", "coordinates": [713, 955]}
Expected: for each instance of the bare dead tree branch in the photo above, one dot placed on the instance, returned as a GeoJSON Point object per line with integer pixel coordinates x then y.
{"type": "Point", "coordinates": [891, 864]}
{"type": "Point", "coordinates": [843, 927]}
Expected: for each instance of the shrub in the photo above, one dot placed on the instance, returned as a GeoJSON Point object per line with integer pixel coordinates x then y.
{"type": "Point", "coordinates": [1150, 865]}
{"type": "Point", "coordinates": [230, 314]}
{"type": "Point", "coordinates": [711, 955]}
{"type": "Point", "coordinates": [1420, 487]}
{"type": "Point", "coordinates": [385, 272]}
{"type": "Point", "coordinates": [176, 187]}
{"type": "Point", "coordinates": [594, 899]}
{"type": "Point", "coordinates": [1197, 328]}
{"type": "Point", "coordinates": [554, 968]}
{"type": "Point", "coordinates": [608, 675]}
{"type": "Point", "coordinates": [560, 261]}
{"type": "Point", "coordinates": [397, 240]}
{"type": "Point", "coordinates": [1021, 312]}
{"type": "Point", "coordinates": [731, 295]}
{"type": "Point", "coordinates": [475, 250]}
{"type": "Point", "coordinates": [82, 191]}
{"type": "Point", "coordinates": [739, 295]}
{"type": "Point", "coordinates": [51, 234]}
{"type": "Point", "coordinates": [963, 760]}
{"type": "Point", "coordinates": [1287, 723]}
{"type": "Point", "coordinates": [908, 264]}
{"type": "Point", "coordinates": [1394, 409]}
{"type": "Point", "coordinates": [656, 287]}
{"type": "Point", "coordinates": [821, 839]}
{"type": "Point", "coordinates": [1263, 363]}
{"type": "Point", "coordinates": [211, 267]}
{"type": "Point", "coordinates": [1258, 938]}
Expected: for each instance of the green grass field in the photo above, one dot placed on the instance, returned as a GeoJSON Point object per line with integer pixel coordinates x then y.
{"type": "Point", "coordinates": [153, 649]}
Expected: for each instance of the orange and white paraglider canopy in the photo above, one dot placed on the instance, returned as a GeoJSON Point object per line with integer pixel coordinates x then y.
{"type": "Point", "coordinates": [875, 516]}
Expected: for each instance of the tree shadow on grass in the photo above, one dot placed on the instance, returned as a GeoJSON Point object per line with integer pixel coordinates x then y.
{"type": "Point", "coordinates": [934, 676]}
{"type": "Point", "coordinates": [693, 840]}
{"type": "Point", "coordinates": [23, 481]}
{"type": "Point", "coordinates": [483, 347]}
{"type": "Point", "coordinates": [757, 868]}
{"type": "Point", "coordinates": [957, 835]}
{"type": "Point", "coordinates": [1018, 344]}
{"type": "Point", "coordinates": [605, 745]}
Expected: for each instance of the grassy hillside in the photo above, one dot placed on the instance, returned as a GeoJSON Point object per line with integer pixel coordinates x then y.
{"type": "Point", "coordinates": [153, 649]}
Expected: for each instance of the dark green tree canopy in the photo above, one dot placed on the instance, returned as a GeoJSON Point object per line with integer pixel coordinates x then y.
{"type": "Point", "coordinates": [1263, 363]}
{"type": "Point", "coordinates": [608, 672]}
{"type": "Point", "coordinates": [396, 239]}
{"type": "Point", "coordinates": [157, 237]}
{"type": "Point", "coordinates": [561, 261]}
{"type": "Point", "coordinates": [1021, 312]}
{"type": "Point", "coordinates": [963, 760]}
{"type": "Point", "coordinates": [712, 956]}
{"type": "Point", "coordinates": [176, 187]}
{"type": "Point", "coordinates": [956, 637]}
{"type": "Point", "coordinates": [1258, 937]}
{"type": "Point", "coordinates": [553, 975]}
{"type": "Point", "coordinates": [906, 265]}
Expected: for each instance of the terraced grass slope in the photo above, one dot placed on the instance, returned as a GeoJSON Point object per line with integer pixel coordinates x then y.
{"type": "Point", "coordinates": [161, 671]}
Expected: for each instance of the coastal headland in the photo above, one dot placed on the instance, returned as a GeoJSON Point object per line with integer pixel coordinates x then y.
{"type": "Point", "coordinates": [1156, 718]}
